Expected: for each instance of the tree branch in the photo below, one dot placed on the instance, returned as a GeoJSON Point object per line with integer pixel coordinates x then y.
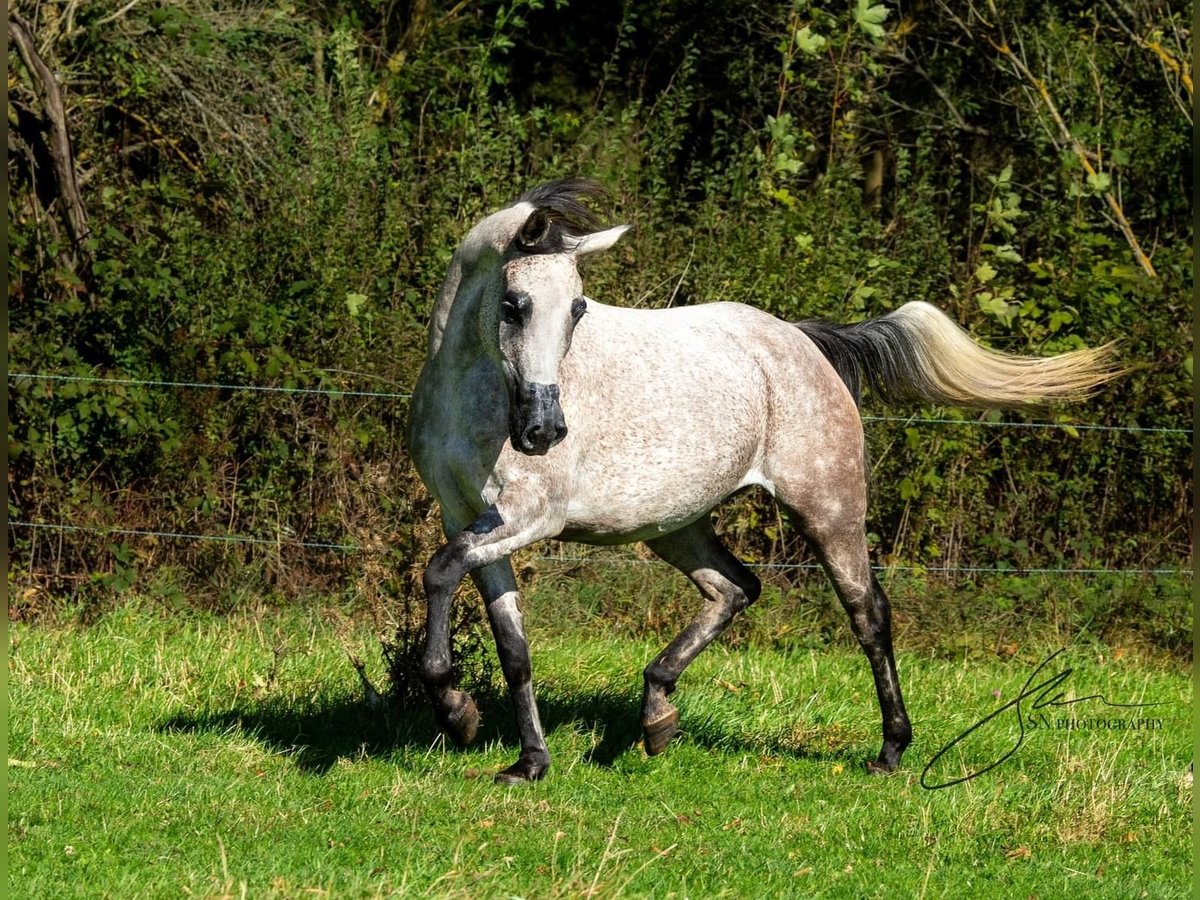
{"type": "Point", "coordinates": [1079, 150]}
{"type": "Point", "coordinates": [955, 115]}
{"type": "Point", "coordinates": [61, 154]}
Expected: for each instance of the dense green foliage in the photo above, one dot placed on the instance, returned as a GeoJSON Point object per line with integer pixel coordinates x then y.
{"type": "Point", "coordinates": [227, 756]}
{"type": "Point", "coordinates": [273, 191]}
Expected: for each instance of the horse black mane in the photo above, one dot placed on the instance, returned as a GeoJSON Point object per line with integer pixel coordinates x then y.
{"type": "Point", "coordinates": [561, 212]}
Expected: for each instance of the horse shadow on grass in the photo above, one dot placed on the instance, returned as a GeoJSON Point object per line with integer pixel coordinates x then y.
{"type": "Point", "coordinates": [345, 728]}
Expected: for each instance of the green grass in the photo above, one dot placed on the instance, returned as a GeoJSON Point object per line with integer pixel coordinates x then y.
{"type": "Point", "coordinates": [228, 756]}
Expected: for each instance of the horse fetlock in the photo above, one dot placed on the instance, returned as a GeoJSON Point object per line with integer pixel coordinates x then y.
{"type": "Point", "coordinates": [899, 734]}
{"type": "Point", "coordinates": [435, 673]}
{"type": "Point", "coordinates": [658, 680]}
{"type": "Point", "coordinates": [889, 755]}
{"type": "Point", "coordinates": [531, 766]}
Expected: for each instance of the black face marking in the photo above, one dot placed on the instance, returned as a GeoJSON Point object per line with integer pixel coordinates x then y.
{"type": "Point", "coordinates": [535, 418]}
{"type": "Point", "coordinates": [515, 308]}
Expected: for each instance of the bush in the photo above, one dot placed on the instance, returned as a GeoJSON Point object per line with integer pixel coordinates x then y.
{"type": "Point", "coordinates": [273, 194]}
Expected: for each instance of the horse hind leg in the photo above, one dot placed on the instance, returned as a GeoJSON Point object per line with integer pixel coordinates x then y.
{"type": "Point", "coordinates": [727, 586]}
{"type": "Point", "coordinates": [841, 544]}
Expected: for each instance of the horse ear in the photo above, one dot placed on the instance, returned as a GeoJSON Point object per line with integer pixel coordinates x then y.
{"type": "Point", "coordinates": [601, 240]}
{"type": "Point", "coordinates": [535, 230]}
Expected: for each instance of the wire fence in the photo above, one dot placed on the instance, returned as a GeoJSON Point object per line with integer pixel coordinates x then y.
{"type": "Point", "coordinates": [205, 385]}
{"type": "Point", "coordinates": [602, 559]}
{"type": "Point", "coordinates": [390, 395]}
{"type": "Point", "coordinates": [282, 541]}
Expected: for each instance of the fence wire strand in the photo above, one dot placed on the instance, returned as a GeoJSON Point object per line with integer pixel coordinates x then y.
{"type": "Point", "coordinates": [389, 395]}
{"type": "Point", "coordinates": [590, 560]}
{"type": "Point", "coordinates": [183, 535]}
{"type": "Point", "coordinates": [207, 386]}
{"type": "Point", "coordinates": [393, 395]}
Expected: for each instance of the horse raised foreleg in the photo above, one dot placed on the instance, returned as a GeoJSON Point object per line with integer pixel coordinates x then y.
{"type": "Point", "coordinates": [727, 586]}
{"type": "Point", "coordinates": [455, 711]}
{"type": "Point", "coordinates": [496, 533]}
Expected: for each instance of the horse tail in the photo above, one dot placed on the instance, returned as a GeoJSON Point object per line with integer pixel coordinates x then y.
{"type": "Point", "coordinates": [917, 353]}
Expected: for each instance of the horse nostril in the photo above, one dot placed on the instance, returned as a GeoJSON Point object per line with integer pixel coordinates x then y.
{"type": "Point", "coordinates": [534, 434]}
{"type": "Point", "coordinates": [542, 435]}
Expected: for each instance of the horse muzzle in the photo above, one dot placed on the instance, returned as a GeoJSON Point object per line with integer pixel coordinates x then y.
{"type": "Point", "coordinates": [535, 422]}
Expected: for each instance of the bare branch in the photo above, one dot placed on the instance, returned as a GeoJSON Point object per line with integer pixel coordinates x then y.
{"type": "Point", "coordinates": [120, 12]}
{"type": "Point", "coordinates": [1080, 151]}
{"type": "Point", "coordinates": [955, 115]}
{"type": "Point", "coordinates": [61, 153]}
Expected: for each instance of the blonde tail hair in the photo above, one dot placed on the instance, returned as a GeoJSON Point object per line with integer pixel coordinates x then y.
{"type": "Point", "coordinates": [919, 353]}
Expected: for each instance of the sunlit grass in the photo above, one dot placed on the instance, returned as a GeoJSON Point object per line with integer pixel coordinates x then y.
{"type": "Point", "coordinates": [208, 756]}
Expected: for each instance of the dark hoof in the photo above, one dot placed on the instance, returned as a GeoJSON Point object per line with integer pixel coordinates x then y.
{"type": "Point", "coordinates": [885, 765]}
{"type": "Point", "coordinates": [526, 769]}
{"type": "Point", "coordinates": [462, 722]}
{"type": "Point", "coordinates": [659, 732]}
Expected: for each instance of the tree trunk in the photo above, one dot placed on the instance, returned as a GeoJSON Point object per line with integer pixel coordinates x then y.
{"type": "Point", "coordinates": [63, 159]}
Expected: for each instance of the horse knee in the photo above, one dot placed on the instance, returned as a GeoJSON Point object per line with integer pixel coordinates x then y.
{"type": "Point", "coordinates": [750, 586]}
{"type": "Point", "coordinates": [444, 571]}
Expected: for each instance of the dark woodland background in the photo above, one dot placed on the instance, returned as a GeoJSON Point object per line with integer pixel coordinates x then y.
{"type": "Point", "coordinates": [268, 193]}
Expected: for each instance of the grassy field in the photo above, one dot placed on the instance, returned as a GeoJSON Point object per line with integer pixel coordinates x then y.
{"type": "Point", "coordinates": [200, 755]}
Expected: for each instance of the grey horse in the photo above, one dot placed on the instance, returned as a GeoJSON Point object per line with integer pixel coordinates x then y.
{"type": "Point", "coordinates": [541, 413]}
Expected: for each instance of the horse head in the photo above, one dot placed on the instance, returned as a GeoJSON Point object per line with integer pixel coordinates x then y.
{"type": "Point", "coordinates": [541, 304]}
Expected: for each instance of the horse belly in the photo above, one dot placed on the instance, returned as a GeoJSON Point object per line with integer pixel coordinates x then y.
{"type": "Point", "coordinates": [653, 477]}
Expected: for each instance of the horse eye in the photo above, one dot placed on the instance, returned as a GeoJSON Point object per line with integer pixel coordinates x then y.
{"type": "Point", "coordinates": [578, 308]}
{"type": "Point", "coordinates": [514, 308]}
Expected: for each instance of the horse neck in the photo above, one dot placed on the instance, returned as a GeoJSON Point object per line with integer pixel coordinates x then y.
{"type": "Point", "coordinates": [476, 259]}
{"type": "Point", "coordinates": [459, 342]}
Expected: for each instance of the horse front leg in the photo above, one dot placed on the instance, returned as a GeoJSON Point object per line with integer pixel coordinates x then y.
{"type": "Point", "coordinates": [499, 590]}
{"type": "Point", "coordinates": [500, 530]}
{"type": "Point", "coordinates": [456, 713]}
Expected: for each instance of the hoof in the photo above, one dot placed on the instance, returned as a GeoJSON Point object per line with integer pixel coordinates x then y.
{"type": "Point", "coordinates": [462, 722]}
{"type": "Point", "coordinates": [526, 769]}
{"type": "Point", "coordinates": [881, 766]}
{"type": "Point", "coordinates": [659, 732]}
{"type": "Point", "coordinates": [889, 757]}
